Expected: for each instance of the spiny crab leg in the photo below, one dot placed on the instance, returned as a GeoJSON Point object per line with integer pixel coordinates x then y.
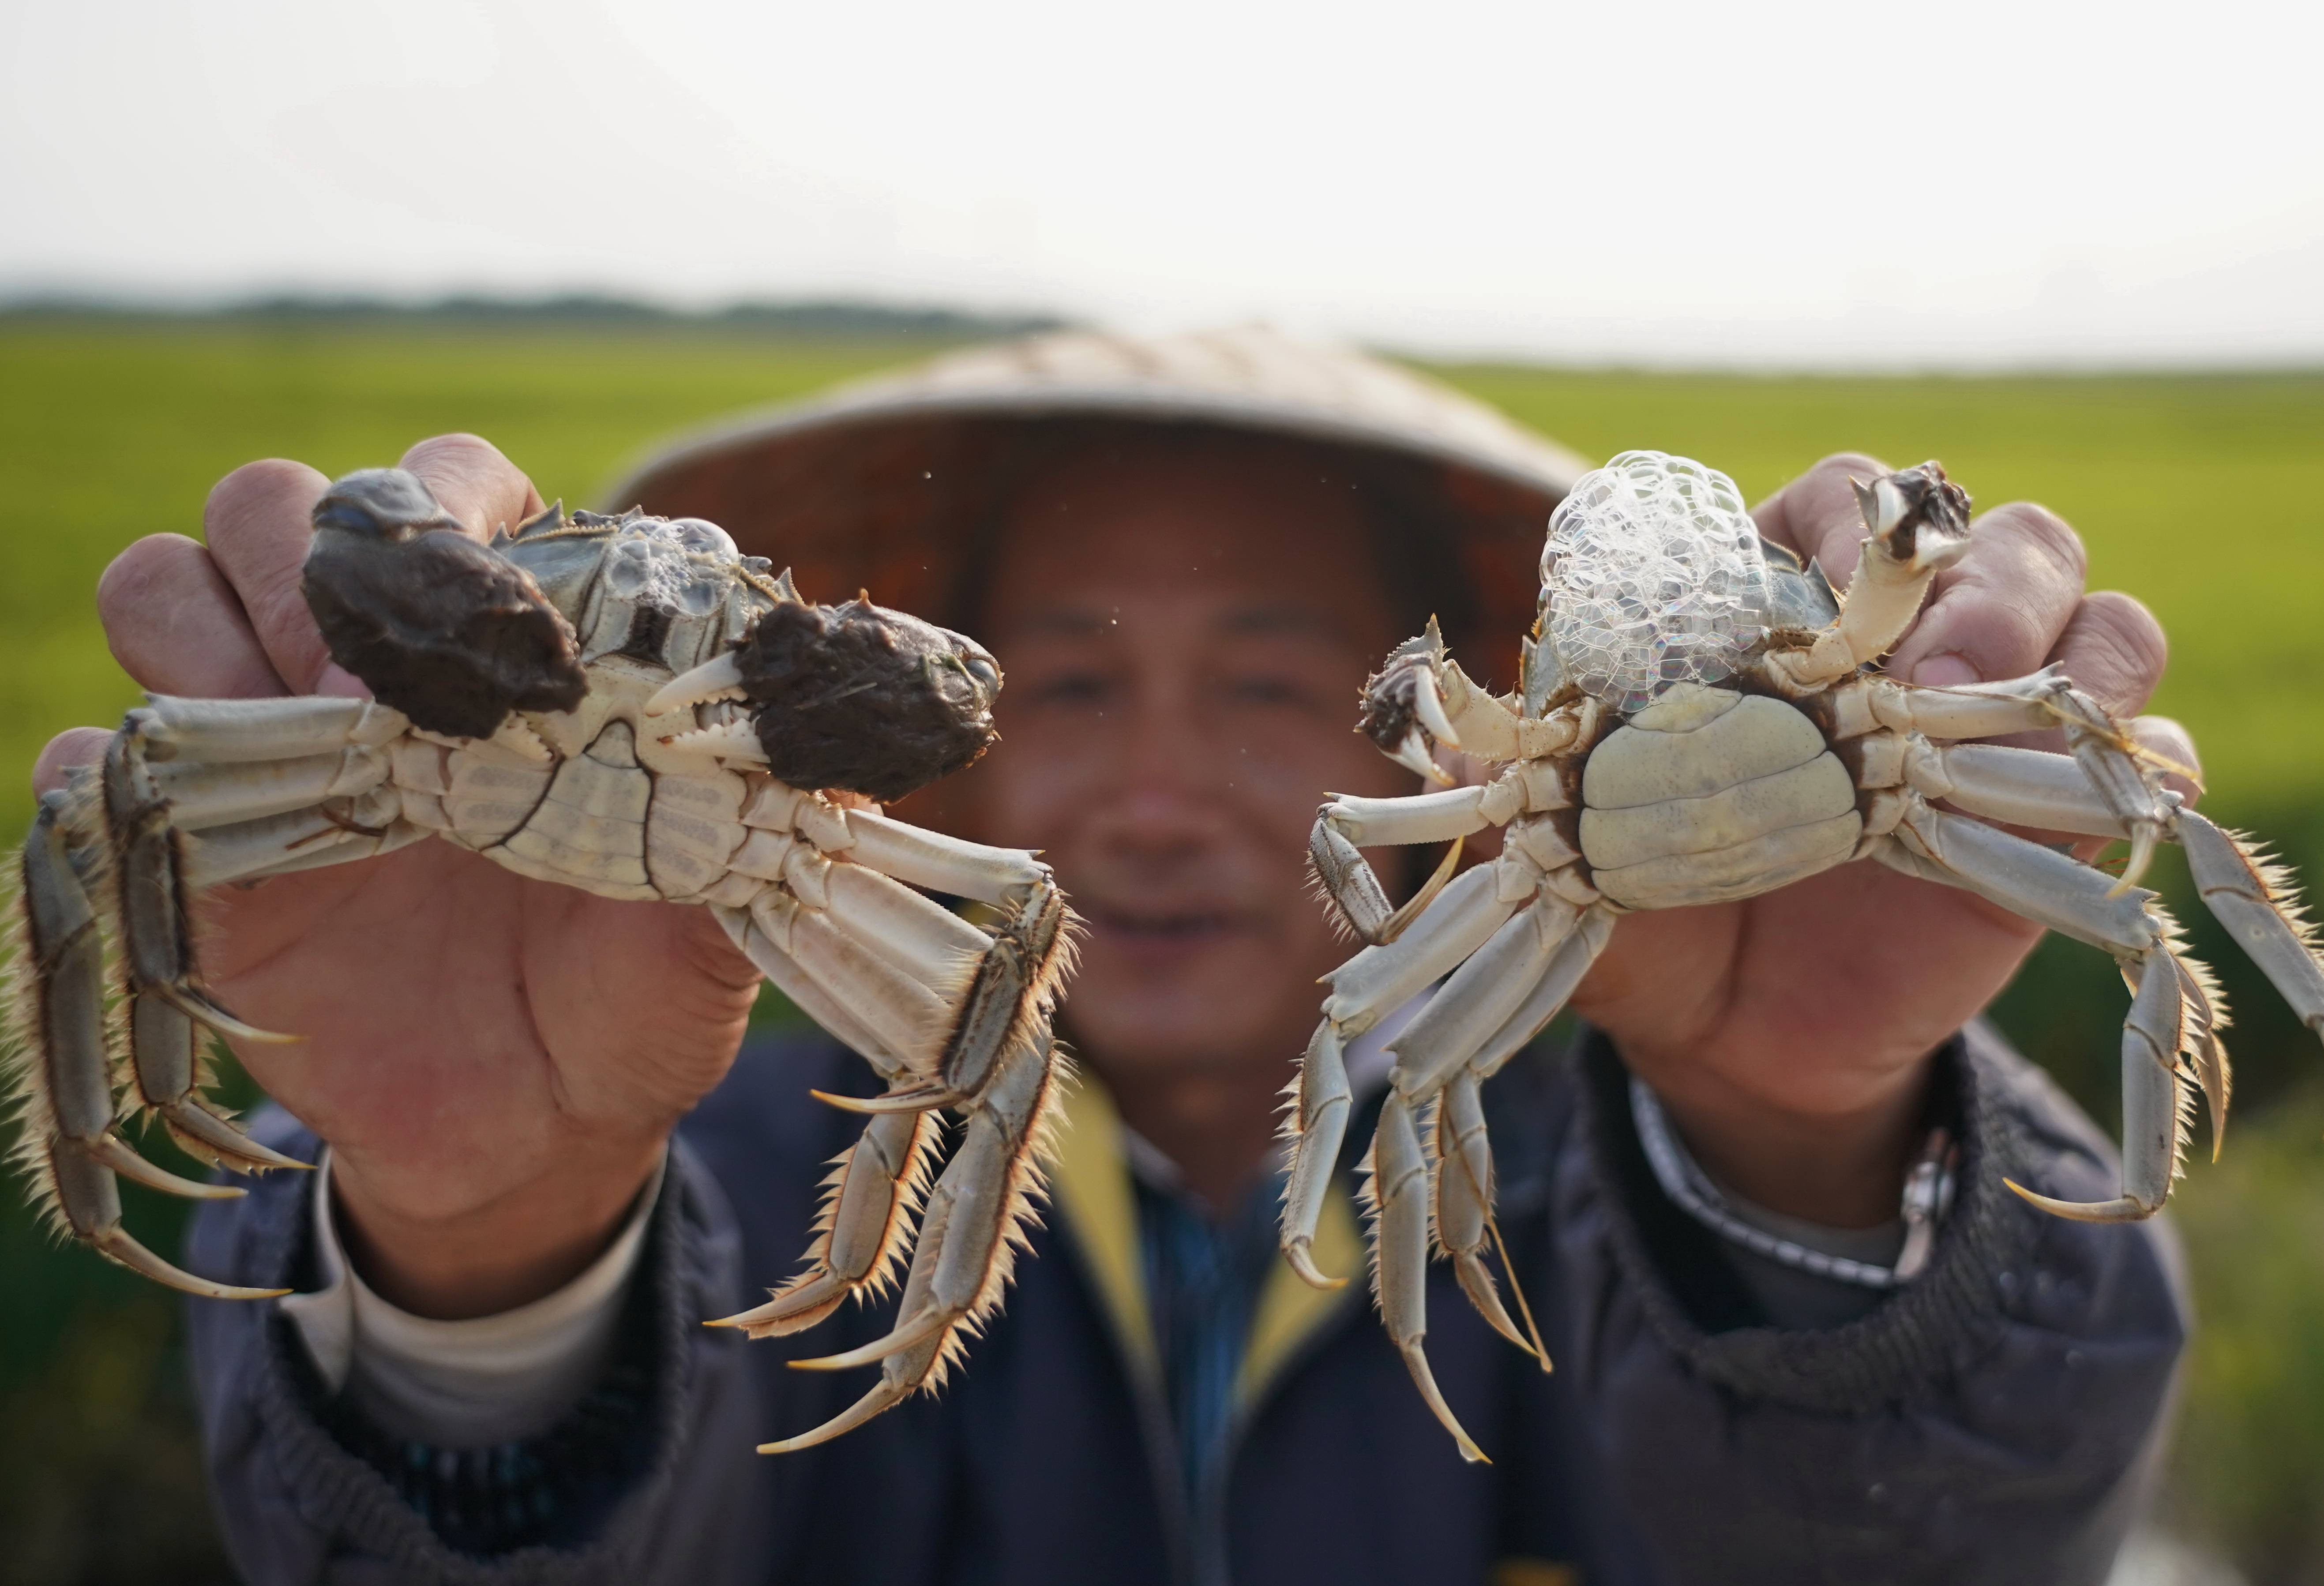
{"type": "Point", "coordinates": [1396, 1191]}
{"type": "Point", "coordinates": [871, 1197]}
{"type": "Point", "coordinates": [191, 792]}
{"type": "Point", "coordinates": [967, 1244]}
{"type": "Point", "coordinates": [952, 1016]}
{"type": "Point", "coordinates": [1458, 1185]}
{"type": "Point", "coordinates": [68, 1142]}
{"type": "Point", "coordinates": [2164, 1022]}
{"type": "Point", "coordinates": [2253, 897]}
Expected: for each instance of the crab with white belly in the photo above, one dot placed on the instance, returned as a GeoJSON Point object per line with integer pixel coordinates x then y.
{"type": "Point", "coordinates": [1699, 720]}
{"type": "Point", "coordinates": [623, 704]}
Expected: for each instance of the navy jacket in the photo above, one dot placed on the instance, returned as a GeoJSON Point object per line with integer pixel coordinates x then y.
{"type": "Point", "coordinates": [1994, 1422]}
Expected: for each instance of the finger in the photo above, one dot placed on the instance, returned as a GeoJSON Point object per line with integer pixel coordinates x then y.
{"type": "Point", "coordinates": [2000, 610]}
{"type": "Point", "coordinates": [2114, 650]}
{"type": "Point", "coordinates": [1816, 514]}
{"type": "Point", "coordinates": [75, 746]}
{"type": "Point", "coordinates": [2169, 742]}
{"type": "Point", "coordinates": [474, 481]}
{"type": "Point", "coordinates": [257, 522]}
{"type": "Point", "coordinates": [176, 625]}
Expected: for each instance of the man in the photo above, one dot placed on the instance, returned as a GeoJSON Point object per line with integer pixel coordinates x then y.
{"type": "Point", "coordinates": [1186, 555]}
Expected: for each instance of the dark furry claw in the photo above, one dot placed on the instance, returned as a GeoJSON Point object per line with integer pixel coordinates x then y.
{"type": "Point", "coordinates": [447, 630]}
{"type": "Point", "coordinates": [864, 699]}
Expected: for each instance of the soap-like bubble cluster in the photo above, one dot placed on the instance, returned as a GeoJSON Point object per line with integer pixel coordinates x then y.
{"type": "Point", "coordinates": [1652, 576]}
{"type": "Point", "coordinates": [659, 562]}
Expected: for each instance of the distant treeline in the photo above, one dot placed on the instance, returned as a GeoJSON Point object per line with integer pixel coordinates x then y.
{"type": "Point", "coordinates": [835, 318]}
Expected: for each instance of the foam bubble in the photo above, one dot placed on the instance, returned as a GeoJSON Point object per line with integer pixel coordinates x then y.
{"type": "Point", "coordinates": [1652, 576]}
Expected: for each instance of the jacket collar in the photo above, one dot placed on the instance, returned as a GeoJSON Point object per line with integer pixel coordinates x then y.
{"type": "Point", "coordinates": [1089, 1183]}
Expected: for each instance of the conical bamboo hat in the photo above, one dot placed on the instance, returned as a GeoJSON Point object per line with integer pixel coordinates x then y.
{"type": "Point", "coordinates": [886, 484]}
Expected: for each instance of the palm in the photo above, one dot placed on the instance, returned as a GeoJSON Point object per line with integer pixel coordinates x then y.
{"type": "Point", "coordinates": [465, 1024]}
{"type": "Point", "coordinates": [1814, 998]}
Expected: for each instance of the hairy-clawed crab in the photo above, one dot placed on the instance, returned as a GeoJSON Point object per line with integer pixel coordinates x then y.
{"type": "Point", "coordinates": [624, 704]}
{"type": "Point", "coordinates": [1699, 720]}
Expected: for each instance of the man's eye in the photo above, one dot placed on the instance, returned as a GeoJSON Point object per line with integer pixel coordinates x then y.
{"type": "Point", "coordinates": [1264, 689]}
{"type": "Point", "coordinates": [1067, 688]}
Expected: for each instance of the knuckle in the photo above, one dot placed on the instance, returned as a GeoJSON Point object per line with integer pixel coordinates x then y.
{"type": "Point", "coordinates": [2133, 626]}
{"type": "Point", "coordinates": [255, 487]}
{"type": "Point", "coordinates": [2047, 536]}
{"type": "Point", "coordinates": [2116, 649]}
{"type": "Point", "coordinates": [157, 566]}
{"type": "Point", "coordinates": [75, 746]}
{"type": "Point", "coordinates": [459, 448]}
{"type": "Point", "coordinates": [1861, 463]}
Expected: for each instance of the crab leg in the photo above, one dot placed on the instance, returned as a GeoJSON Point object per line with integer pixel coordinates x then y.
{"type": "Point", "coordinates": [1314, 1126]}
{"type": "Point", "coordinates": [1461, 1167]}
{"type": "Point", "coordinates": [241, 770]}
{"type": "Point", "coordinates": [1461, 920]}
{"type": "Point", "coordinates": [2042, 701]}
{"type": "Point", "coordinates": [2069, 896]}
{"type": "Point", "coordinates": [967, 1245]}
{"type": "Point", "coordinates": [2253, 897]}
{"type": "Point", "coordinates": [870, 1196]}
{"type": "Point", "coordinates": [68, 1142]}
{"type": "Point", "coordinates": [786, 974]}
{"type": "Point", "coordinates": [1465, 1205]}
{"type": "Point", "coordinates": [1396, 1191]}
{"type": "Point", "coordinates": [2025, 787]}
{"type": "Point", "coordinates": [1375, 980]}
{"type": "Point", "coordinates": [1005, 878]}
{"type": "Point", "coordinates": [1343, 875]}
{"type": "Point", "coordinates": [1480, 998]}
{"type": "Point", "coordinates": [881, 966]}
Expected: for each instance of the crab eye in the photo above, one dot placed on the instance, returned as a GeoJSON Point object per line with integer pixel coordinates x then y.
{"type": "Point", "coordinates": [980, 668]}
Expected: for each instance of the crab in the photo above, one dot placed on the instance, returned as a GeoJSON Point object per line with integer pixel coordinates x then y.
{"type": "Point", "coordinates": [624, 704]}
{"type": "Point", "coordinates": [1699, 719]}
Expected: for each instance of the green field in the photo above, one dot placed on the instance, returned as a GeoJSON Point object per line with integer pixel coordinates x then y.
{"type": "Point", "coordinates": [2202, 495]}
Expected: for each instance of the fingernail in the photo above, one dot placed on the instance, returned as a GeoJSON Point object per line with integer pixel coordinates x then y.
{"type": "Point", "coordinates": [1945, 671]}
{"type": "Point", "coordinates": [338, 683]}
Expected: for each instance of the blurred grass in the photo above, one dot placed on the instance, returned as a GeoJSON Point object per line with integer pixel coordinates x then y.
{"type": "Point", "coordinates": [2203, 495]}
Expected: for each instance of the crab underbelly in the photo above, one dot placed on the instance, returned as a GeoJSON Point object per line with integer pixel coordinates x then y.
{"type": "Point", "coordinates": [599, 821]}
{"type": "Point", "coordinates": [1709, 796]}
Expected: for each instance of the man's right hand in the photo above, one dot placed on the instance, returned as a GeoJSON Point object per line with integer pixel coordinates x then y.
{"type": "Point", "coordinates": [496, 1062]}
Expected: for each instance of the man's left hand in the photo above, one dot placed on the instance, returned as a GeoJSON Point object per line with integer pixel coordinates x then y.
{"type": "Point", "coordinates": [1790, 1035]}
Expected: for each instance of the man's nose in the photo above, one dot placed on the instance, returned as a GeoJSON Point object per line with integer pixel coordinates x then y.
{"type": "Point", "coordinates": [1170, 768]}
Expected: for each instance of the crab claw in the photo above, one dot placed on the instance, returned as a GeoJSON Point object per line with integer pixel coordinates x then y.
{"type": "Point", "coordinates": [718, 678]}
{"type": "Point", "coordinates": [727, 741]}
{"type": "Point", "coordinates": [1413, 755]}
{"type": "Point", "coordinates": [1428, 705]}
{"type": "Point", "coordinates": [1917, 516]}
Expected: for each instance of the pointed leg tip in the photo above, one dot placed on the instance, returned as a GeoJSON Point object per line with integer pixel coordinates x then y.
{"type": "Point", "coordinates": [1304, 1268]}
{"type": "Point", "coordinates": [2123, 1208]}
{"type": "Point", "coordinates": [116, 1245]}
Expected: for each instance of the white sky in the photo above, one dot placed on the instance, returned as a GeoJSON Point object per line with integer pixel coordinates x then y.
{"type": "Point", "coordinates": [1747, 181]}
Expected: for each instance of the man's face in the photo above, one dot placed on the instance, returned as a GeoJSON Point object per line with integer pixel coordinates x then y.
{"type": "Point", "coordinates": [1184, 635]}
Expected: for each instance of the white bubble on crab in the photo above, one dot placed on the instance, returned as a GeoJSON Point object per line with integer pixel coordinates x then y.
{"type": "Point", "coordinates": [1653, 576]}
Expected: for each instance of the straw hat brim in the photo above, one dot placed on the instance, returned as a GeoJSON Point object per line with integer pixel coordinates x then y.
{"type": "Point", "coordinates": [887, 485]}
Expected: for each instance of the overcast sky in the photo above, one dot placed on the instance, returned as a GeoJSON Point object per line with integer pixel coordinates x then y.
{"type": "Point", "coordinates": [1747, 181]}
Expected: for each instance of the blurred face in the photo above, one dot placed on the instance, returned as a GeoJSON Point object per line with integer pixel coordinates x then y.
{"type": "Point", "coordinates": [1184, 636]}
